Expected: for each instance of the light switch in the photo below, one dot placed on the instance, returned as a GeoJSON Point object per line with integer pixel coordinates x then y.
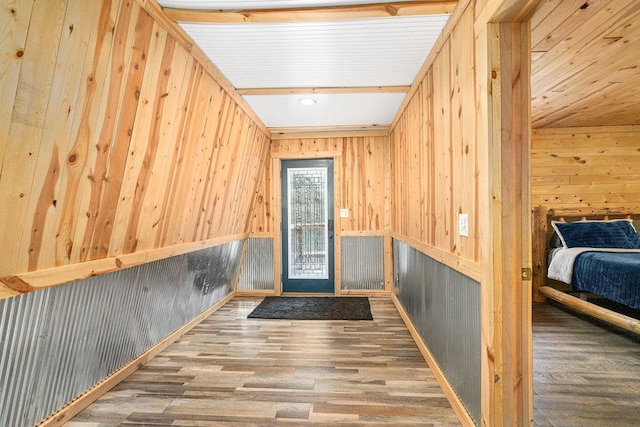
{"type": "Point", "coordinates": [463, 225]}
{"type": "Point", "coordinates": [344, 213]}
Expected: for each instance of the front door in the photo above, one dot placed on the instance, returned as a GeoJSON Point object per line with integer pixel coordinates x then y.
{"type": "Point", "coordinates": [307, 225]}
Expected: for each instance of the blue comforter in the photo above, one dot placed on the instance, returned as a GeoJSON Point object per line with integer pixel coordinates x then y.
{"type": "Point", "coordinates": [615, 276]}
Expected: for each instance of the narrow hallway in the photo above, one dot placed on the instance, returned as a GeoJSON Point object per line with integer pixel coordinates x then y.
{"type": "Point", "coordinates": [230, 370]}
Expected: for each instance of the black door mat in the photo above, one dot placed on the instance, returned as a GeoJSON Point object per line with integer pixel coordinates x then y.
{"type": "Point", "coordinates": [313, 308]}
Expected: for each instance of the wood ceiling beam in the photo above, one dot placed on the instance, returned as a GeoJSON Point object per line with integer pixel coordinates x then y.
{"type": "Point", "coordinates": [314, 133]}
{"type": "Point", "coordinates": [384, 129]}
{"type": "Point", "coordinates": [381, 10]}
{"type": "Point", "coordinates": [323, 90]}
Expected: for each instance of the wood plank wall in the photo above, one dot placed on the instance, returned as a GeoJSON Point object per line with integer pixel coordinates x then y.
{"type": "Point", "coordinates": [460, 135]}
{"type": "Point", "coordinates": [594, 167]}
{"type": "Point", "coordinates": [114, 138]}
{"type": "Point", "coordinates": [434, 156]}
{"type": "Point", "coordinates": [361, 165]}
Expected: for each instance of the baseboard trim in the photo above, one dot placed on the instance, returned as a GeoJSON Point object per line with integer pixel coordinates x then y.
{"type": "Point", "coordinates": [91, 395]}
{"type": "Point", "coordinates": [448, 390]}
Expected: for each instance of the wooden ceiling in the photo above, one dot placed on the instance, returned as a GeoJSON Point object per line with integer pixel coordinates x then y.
{"type": "Point", "coordinates": [586, 63]}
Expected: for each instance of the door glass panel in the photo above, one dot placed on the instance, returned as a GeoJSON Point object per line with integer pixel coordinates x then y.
{"type": "Point", "coordinates": [308, 231]}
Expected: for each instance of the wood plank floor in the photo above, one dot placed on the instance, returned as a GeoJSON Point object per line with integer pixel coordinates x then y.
{"type": "Point", "coordinates": [230, 370]}
{"type": "Point", "coordinates": [585, 373]}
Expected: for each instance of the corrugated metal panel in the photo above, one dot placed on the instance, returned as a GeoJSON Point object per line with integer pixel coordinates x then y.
{"type": "Point", "coordinates": [256, 273]}
{"type": "Point", "coordinates": [444, 307]}
{"type": "Point", "coordinates": [57, 343]}
{"type": "Point", "coordinates": [362, 263]}
{"type": "Point", "coordinates": [363, 52]}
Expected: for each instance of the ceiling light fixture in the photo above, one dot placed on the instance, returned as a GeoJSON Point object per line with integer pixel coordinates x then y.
{"type": "Point", "coordinates": [307, 101]}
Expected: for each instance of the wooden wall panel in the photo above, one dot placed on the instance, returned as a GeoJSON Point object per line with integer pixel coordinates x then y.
{"type": "Point", "coordinates": [364, 166]}
{"type": "Point", "coordinates": [134, 28]}
{"type": "Point", "coordinates": [262, 219]}
{"type": "Point", "coordinates": [118, 141]}
{"type": "Point", "coordinates": [25, 129]}
{"type": "Point", "coordinates": [361, 162]}
{"type": "Point", "coordinates": [443, 160]}
{"type": "Point", "coordinates": [63, 120]}
{"type": "Point", "coordinates": [306, 147]}
{"type": "Point", "coordinates": [596, 167]}
{"type": "Point", "coordinates": [435, 155]}
{"type": "Point", "coordinates": [397, 172]}
{"type": "Point", "coordinates": [14, 24]}
{"type": "Point", "coordinates": [427, 159]}
{"type": "Point", "coordinates": [463, 136]}
{"type": "Point", "coordinates": [412, 168]}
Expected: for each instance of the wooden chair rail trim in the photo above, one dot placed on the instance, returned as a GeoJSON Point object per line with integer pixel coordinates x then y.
{"type": "Point", "coordinates": [452, 397]}
{"type": "Point", "coordinates": [261, 235]}
{"type": "Point", "coordinates": [91, 395]}
{"type": "Point", "coordinates": [465, 266]}
{"type": "Point", "coordinates": [40, 279]}
{"type": "Point", "coordinates": [364, 233]}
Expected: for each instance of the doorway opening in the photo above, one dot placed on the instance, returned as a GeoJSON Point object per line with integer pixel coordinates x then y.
{"type": "Point", "coordinates": [307, 226]}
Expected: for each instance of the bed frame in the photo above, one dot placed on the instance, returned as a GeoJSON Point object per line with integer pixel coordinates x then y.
{"type": "Point", "coordinates": [544, 287]}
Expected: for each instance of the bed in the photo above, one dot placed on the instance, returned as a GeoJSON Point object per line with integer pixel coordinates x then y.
{"type": "Point", "coordinates": [578, 254]}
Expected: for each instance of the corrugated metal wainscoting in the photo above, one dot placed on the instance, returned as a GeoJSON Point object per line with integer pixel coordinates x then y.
{"type": "Point", "coordinates": [444, 307]}
{"type": "Point", "coordinates": [362, 263]}
{"type": "Point", "coordinates": [57, 343]}
{"type": "Point", "coordinates": [256, 272]}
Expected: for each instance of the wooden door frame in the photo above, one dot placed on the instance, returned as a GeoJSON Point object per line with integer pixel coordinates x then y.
{"type": "Point", "coordinates": [329, 164]}
{"type": "Point", "coordinates": [503, 58]}
{"type": "Point", "coordinates": [276, 191]}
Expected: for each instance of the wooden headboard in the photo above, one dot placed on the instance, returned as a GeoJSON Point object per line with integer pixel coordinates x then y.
{"type": "Point", "coordinates": [542, 232]}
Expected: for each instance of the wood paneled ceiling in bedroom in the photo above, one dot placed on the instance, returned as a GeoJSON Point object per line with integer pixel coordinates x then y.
{"type": "Point", "coordinates": [586, 63]}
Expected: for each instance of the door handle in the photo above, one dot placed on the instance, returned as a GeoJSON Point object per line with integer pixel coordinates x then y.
{"type": "Point", "coordinates": [330, 228]}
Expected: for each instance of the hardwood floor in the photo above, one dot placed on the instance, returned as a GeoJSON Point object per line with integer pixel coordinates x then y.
{"type": "Point", "coordinates": [230, 370]}
{"type": "Point", "coordinates": [585, 373]}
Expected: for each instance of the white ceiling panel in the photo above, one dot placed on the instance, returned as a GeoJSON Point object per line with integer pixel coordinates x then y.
{"type": "Point", "coordinates": [360, 57]}
{"type": "Point", "coordinates": [329, 110]}
{"type": "Point", "coordinates": [364, 52]}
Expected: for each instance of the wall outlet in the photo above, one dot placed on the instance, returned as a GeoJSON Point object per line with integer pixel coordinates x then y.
{"type": "Point", "coordinates": [463, 225]}
{"type": "Point", "coordinates": [344, 213]}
